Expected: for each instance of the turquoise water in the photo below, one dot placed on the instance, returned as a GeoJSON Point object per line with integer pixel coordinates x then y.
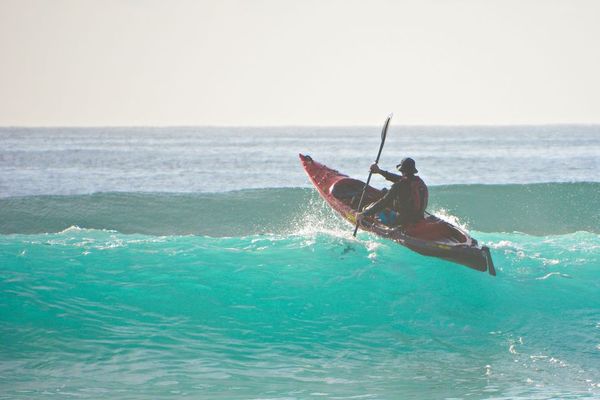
{"type": "Point", "coordinates": [314, 314]}
{"type": "Point", "coordinates": [262, 293]}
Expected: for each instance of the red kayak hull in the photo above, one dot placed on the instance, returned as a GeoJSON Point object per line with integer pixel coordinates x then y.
{"type": "Point", "coordinates": [431, 237]}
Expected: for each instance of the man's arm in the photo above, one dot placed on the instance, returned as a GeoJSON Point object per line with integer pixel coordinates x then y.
{"type": "Point", "coordinates": [384, 202]}
{"type": "Point", "coordinates": [387, 175]}
{"type": "Point", "coordinates": [390, 176]}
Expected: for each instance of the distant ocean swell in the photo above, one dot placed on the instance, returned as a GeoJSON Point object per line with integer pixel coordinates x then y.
{"type": "Point", "coordinates": [539, 209]}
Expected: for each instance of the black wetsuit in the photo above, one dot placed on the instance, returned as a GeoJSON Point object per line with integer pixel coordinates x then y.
{"type": "Point", "coordinates": [397, 199]}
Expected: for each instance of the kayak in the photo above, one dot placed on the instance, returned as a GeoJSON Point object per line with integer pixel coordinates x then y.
{"type": "Point", "coordinates": [432, 236]}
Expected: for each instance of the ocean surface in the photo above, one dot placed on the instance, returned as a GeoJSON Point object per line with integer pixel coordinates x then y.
{"type": "Point", "coordinates": [154, 263]}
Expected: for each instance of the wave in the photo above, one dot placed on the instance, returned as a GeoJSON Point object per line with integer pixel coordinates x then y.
{"type": "Point", "coordinates": [539, 209]}
{"type": "Point", "coordinates": [309, 305]}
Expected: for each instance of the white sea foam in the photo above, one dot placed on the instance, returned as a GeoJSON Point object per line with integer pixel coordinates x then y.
{"type": "Point", "coordinates": [553, 274]}
{"type": "Point", "coordinates": [454, 220]}
{"type": "Point", "coordinates": [72, 228]}
{"type": "Point", "coordinates": [504, 244]}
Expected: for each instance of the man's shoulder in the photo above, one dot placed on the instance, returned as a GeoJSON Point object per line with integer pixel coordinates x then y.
{"type": "Point", "coordinates": [400, 184]}
{"type": "Point", "coordinates": [419, 179]}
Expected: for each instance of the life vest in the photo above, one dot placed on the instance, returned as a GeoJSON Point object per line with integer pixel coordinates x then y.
{"type": "Point", "coordinates": [419, 196]}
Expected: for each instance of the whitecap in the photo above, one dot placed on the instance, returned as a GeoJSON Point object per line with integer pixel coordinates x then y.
{"type": "Point", "coordinates": [443, 214]}
{"type": "Point", "coordinates": [72, 228]}
{"type": "Point", "coordinates": [553, 274]}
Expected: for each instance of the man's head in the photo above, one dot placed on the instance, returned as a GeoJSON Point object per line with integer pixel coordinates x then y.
{"type": "Point", "coordinates": [407, 166]}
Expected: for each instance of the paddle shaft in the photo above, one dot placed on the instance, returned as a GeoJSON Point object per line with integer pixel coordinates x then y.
{"type": "Point", "coordinates": [362, 195]}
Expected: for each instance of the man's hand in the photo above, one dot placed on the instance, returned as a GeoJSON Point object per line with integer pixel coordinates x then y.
{"type": "Point", "coordinates": [375, 168]}
{"type": "Point", "coordinates": [359, 217]}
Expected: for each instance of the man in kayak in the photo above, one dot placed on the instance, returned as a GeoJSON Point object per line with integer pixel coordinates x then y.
{"type": "Point", "coordinates": [406, 200]}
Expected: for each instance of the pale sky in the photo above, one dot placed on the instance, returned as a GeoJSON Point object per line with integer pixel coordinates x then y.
{"type": "Point", "coordinates": [280, 62]}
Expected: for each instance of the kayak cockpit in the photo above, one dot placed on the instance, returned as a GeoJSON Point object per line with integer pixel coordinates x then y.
{"type": "Point", "coordinates": [348, 191]}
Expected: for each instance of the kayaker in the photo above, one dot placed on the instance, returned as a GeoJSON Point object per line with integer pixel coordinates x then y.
{"type": "Point", "coordinates": [406, 200]}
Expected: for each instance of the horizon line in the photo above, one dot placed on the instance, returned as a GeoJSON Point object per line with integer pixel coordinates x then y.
{"type": "Point", "coordinates": [234, 126]}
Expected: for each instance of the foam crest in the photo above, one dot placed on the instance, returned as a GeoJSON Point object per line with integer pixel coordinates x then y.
{"type": "Point", "coordinates": [445, 215]}
{"type": "Point", "coordinates": [72, 228]}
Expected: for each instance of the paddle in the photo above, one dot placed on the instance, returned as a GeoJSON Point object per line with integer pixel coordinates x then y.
{"type": "Point", "coordinates": [362, 195]}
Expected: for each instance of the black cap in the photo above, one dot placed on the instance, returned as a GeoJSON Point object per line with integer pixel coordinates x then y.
{"type": "Point", "coordinates": [407, 165]}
